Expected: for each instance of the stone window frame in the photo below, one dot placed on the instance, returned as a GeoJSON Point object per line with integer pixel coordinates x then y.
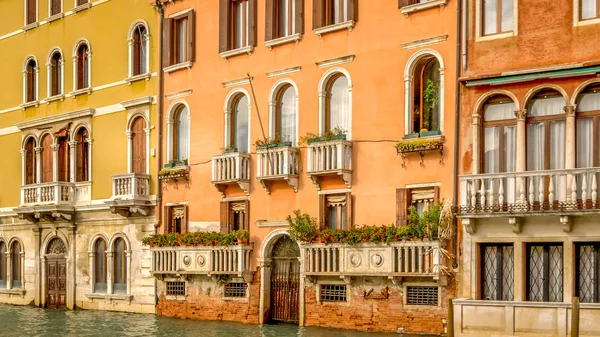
{"type": "Point", "coordinates": [131, 77]}
{"type": "Point", "coordinates": [175, 297]}
{"type": "Point", "coordinates": [349, 299]}
{"type": "Point", "coordinates": [228, 108]}
{"type": "Point", "coordinates": [26, 24]}
{"type": "Point", "coordinates": [245, 298]}
{"type": "Point", "coordinates": [8, 267]}
{"type": "Point", "coordinates": [324, 87]}
{"type": "Point", "coordinates": [169, 208]}
{"type": "Point", "coordinates": [36, 95]}
{"type": "Point", "coordinates": [85, 89]}
{"type": "Point", "coordinates": [61, 84]}
{"type": "Point", "coordinates": [479, 37]}
{"type": "Point", "coordinates": [276, 91]}
{"type": "Point", "coordinates": [420, 284]}
{"type": "Point", "coordinates": [174, 109]}
{"type": "Point", "coordinates": [109, 266]}
{"type": "Point", "coordinates": [577, 21]}
{"type": "Point", "coordinates": [138, 112]}
{"type": "Point", "coordinates": [480, 268]}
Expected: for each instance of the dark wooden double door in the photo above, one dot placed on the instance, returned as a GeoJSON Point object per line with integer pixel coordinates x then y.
{"type": "Point", "coordinates": [285, 281]}
{"type": "Point", "coordinates": [56, 283]}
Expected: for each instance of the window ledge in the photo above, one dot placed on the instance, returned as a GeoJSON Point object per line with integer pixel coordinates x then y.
{"type": "Point", "coordinates": [55, 98]}
{"type": "Point", "coordinates": [82, 7]}
{"type": "Point", "coordinates": [334, 28]}
{"type": "Point", "coordinates": [495, 36]}
{"type": "Point", "coordinates": [30, 26]}
{"type": "Point", "coordinates": [283, 40]}
{"type": "Point", "coordinates": [109, 296]}
{"type": "Point", "coordinates": [139, 77]}
{"type": "Point", "coordinates": [407, 10]}
{"type": "Point", "coordinates": [178, 66]}
{"type": "Point", "coordinates": [579, 23]}
{"type": "Point", "coordinates": [176, 297]}
{"type": "Point", "coordinates": [81, 92]}
{"type": "Point", "coordinates": [19, 292]}
{"type": "Point", "coordinates": [35, 103]}
{"type": "Point", "coordinates": [239, 51]}
{"type": "Point", "coordinates": [55, 17]}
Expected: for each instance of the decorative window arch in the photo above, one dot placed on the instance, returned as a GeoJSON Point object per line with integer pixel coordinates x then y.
{"type": "Point", "coordinates": [28, 159]}
{"type": "Point", "coordinates": [16, 259]}
{"type": "Point", "coordinates": [138, 140]}
{"type": "Point", "coordinates": [3, 264]}
{"type": "Point", "coordinates": [56, 72]}
{"type": "Point", "coordinates": [119, 261]}
{"type": "Point", "coordinates": [424, 92]}
{"type": "Point", "coordinates": [82, 65]}
{"type": "Point", "coordinates": [283, 111]}
{"type": "Point", "coordinates": [99, 268]}
{"type": "Point", "coordinates": [139, 45]}
{"type": "Point", "coordinates": [47, 157]}
{"type": "Point", "coordinates": [178, 129]}
{"type": "Point", "coordinates": [335, 101]}
{"type": "Point", "coordinates": [30, 80]}
{"type": "Point", "coordinates": [237, 121]}
{"type": "Point", "coordinates": [82, 154]}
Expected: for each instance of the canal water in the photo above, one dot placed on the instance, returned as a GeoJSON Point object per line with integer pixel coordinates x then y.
{"type": "Point", "coordinates": [32, 321]}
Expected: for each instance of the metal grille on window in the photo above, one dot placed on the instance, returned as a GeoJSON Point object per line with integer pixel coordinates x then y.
{"type": "Point", "coordinates": [333, 293]}
{"type": "Point", "coordinates": [545, 273]}
{"type": "Point", "coordinates": [556, 274]}
{"type": "Point", "coordinates": [508, 273]}
{"type": "Point", "coordinates": [586, 273]}
{"type": "Point", "coordinates": [498, 275]}
{"type": "Point", "coordinates": [422, 295]}
{"type": "Point", "coordinates": [536, 273]}
{"type": "Point", "coordinates": [176, 288]}
{"type": "Point", "coordinates": [235, 289]}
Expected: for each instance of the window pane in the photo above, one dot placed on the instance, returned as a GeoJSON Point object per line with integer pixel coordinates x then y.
{"type": "Point", "coordinates": [546, 106]}
{"type": "Point", "coordinates": [555, 291]}
{"type": "Point", "coordinates": [241, 124]}
{"type": "Point", "coordinates": [510, 161]}
{"type": "Point", "coordinates": [2, 265]}
{"type": "Point", "coordinates": [536, 273]}
{"type": "Point", "coordinates": [181, 31]}
{"type": "Point", "coordinates": [588, 9]}
{"type": "Point", "coordinates": [283, 18]}
{"type": "Point", "coordinates": [490, 17]}
{"type": "Point", "coordinates": [239, 23]}
{"type": "Point", "coordinates": [287, 117]}
{"type": "Point", "coordinates": [587, 280]}
{"type": "Point", "coordinates": [535, 146]}
{"type": "Point", "coordinates": [585, 145]}
{"type": "Point", "coordinates": [332, 219]}
{"type": "Point", "coordinates": [339, 104]}
{"type": "Point", "coordinates": [507, 15]}
{"type": "Point", "coordinates": [588, 102]}
{"type": "Point", "coordinates": [16, 265]}
{"type": "Point", "coordinates": [499, 111]}
{"type": "Point", "coordinates": [183, 134]}
{"type": "Point", "coordinates": [491, 147]}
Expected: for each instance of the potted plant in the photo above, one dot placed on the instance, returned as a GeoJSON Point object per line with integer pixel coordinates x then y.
{"type": "Point", "coordinates": [431, 98]}
{"type": "Point", "coordinates": [170, 164]}
{"type": "Point", "coordinates": [231, 150]}
{"type": "Point", "coordinates": [419, 144]}
{"type": "Point", "coordinates": [333, 134]}
{"type": "Point", "coordinates": [303, 227]}
{"type": "Point", "coordinates": [268, 142]}
{"type": "Point", "coordinates": [184, 161]}
{"type": "Point", "coordinates": [242, 236]}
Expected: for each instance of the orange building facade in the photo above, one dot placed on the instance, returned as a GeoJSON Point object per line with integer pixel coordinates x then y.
{"type": "Point", "coordinates": [354, 78]}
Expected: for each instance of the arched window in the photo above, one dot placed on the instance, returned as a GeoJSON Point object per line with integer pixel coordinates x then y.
{"type": "Point", "coordinates": [15, 257]}
{"type": "Point", "coordinates": [82, 70]}
{"type": "Point", "coordinates": [588, 127]}
{"type": "Point", "coordinates": [239, 127]}
{"type": "Point", "coordinates": [181, 134]}
{"type": "Point", "coordinates": [3, 263]}
{"type": "Point", "coordinates": [426, 95]}
{"type": "Point", "coordinates": [30, 161]}
{"type": "Point", "coordinates": [337, 104]}
{"type": "Point", "coordinates": [31, 81]}
{"type": "Point", "coordinates": [139, 53]}
{"type": "Point", "coordinates": [286, 114]}
{"type": "Point", "coordinates": [100, 265]}
{"type": "Point", "coordinates": [82, 155]}
{"type": "Point", "coordinates": [120, 267]}
{"type": "Point", "coordinates": [55, 74]}
{"type": "Point", "coordinates": [47, 159]}
{"type": "Point", "coordinates": [138, 146]}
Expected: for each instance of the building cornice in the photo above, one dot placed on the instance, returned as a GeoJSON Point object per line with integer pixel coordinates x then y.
{"type": "Point", "coordinates": [89, 112]}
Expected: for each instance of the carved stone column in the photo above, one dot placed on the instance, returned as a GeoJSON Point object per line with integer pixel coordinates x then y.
{"type": "Point", "coordinates": [521, 160]}
{"type": "Point", "coordinates": [476, 141]}
{"type": "Point", "coordinates": [71, 268]}
{"type": "Point", "coordinates": [24, 167]}
{"type": "Point", "coordinates": [72, 160]}
{"type": "Point", "coordinates": [109, 270]}
{"type": "Point", "coordinates": [265, 290]}
{"type": "Point", "coordinates": [38, 165]}
{"type": "Point", "coordinates": [37, 270]}
{"type": "Point", "coordinates": [54, 162]}
{"type": "Point", "coordinates": [129, 135]}
{"type": "Point", "coordinates": [570, 146]}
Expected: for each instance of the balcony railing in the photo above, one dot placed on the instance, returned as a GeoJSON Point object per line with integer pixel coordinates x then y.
{"type": "Point", "coordinates": [231, 168]}
{"type": "Point", "coordinates": [131, 186]}
{"type": "Point", "coordinates": [398, 259]}
{"type": "Point", "coordinates": [53, 193]}
{"type": "Point", "coordinates": [568, 190]}
{"type": "Point", "coordinates": [277, 163]}
{"type": "Point", "coordinates": [332, 157]}
{"type": "Point", "coordinates": [230, 260]}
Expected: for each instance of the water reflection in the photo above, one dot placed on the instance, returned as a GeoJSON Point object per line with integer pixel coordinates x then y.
{"type": "Point", "coordinates": [31, 321]}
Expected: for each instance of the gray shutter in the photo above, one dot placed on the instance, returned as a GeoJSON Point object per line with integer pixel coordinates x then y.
{"type": "Point", "coordinates": [403, 3]}
{"type": "Point", "coordinates": [224, 33]}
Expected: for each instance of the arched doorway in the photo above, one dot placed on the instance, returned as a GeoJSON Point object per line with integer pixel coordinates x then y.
{"type": "Point", "coordinates": [56, 274]}
{"type": "Point", "coordinates": [285, 281]}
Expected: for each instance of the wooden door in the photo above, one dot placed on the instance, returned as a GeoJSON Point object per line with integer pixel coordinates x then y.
{"type": "Point", "coordinates": [47, 156]}
{"type": "Point", "coordinates": [138, 146]}
{"type": "Point", "coordinates": [56, 283]}
{"type": "Point", "coordinates": [285, 281]}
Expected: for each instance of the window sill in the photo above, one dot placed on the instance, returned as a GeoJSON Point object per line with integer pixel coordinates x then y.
{"type": "Point", "coordinates": [334, 28]}
{"type": "Point", "coordinates": [495, 36]}
{"type": "Point", "coordinates": [407, 10]}
{"type": "Point", "coordinates": [111, 297]}
{"type": "Point", "coordinates": [239, 51]}
{"type": "Point", "coordinates": [579, 23]}
{"type": "Point", "coordinates": [139, 77]}
{"type": "Point", "coordinates": [30, 104]}
{"type": "Point", "coordinates": [79, 92]}
{"type": "Point", "coordinates": [55, 98]}
{"type": "Point", "coordinates": [55, 17]}
{"type": "Point", "coordinates": [178, 66]}
{"type": "Point", "coordinates": [30, 26]}
{"type": "Point", "coordinates": [82, 7]}
{"type": "Point", "coordinates": [18, 292]}
{"type": "Point", "coordinates": [283, 40]}
{"type": "Point", "coordinates": [176, 297]}
{"type": "Point", "coordinates": [235, 299]}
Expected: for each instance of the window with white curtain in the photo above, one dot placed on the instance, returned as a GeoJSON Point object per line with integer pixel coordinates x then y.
{"type": "Point", "coordinates": [588, 9]}
{"type": "Point", "coordinates": [181, 134]}
{"type": "Point", "coordinates": [587, 129]}
{"type": "Point", "coordinates": [239, 124]}
{"type": "Point", "coordinates": [498, 16]}
{"type": "Point", "coordinates": [286, 114]}
{"type": "Point", "coordinates": [337, 104]}
{"type": "Point", "coordinates": [239, 21]}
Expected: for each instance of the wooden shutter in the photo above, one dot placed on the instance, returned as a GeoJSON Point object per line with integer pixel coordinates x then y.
{"type": "Point", "coordinates": [31, 11]}
{"type": "Point", "coordinates": [63, 160]}
{"type": "Point", "coordinates": [47, 156]}
{"type": "Point", "coordinates": [252, 22]}
{"type": "Point", "coordinates": [403, 3]}
{"type": "Point", "coordinates": [167, 42]}
{"type": "Point", "coordinates": [246, 223]}
{"type": "Point", "coordinates": [80, 67]}
{"type": "Point", "coordinates": [299, 17]}
{"type": "Point", "coordinates": [224, 27]}
{"type": "Point", "coordinates": [352, 10]}
{"type": "Point", "coordinates": [191, 29]}
{"type": "Point", "coordinates": [30, 162]}
{"type": "Point", "coordinates": [349, 220]}
{"type": "Point", "coordinates": [436, 194]}
{"type": "Point", "coordinates": [138, 146]}
{"type": "Point", "coordinates": [30, 83]}
{"type": "Point", "coordinates": [317, 14]}
{"type": "Point", "coordinates": [184, 221]}
{"type": "Point", "coordinates": [137, 41]}
{"type": "Point", "coordinates": [402, 204]}
{"type": "Point", "coordinates": [54, 68]}
{"type": "Point", "coordinates": [322, 211]}
{"type": "Point", "coordinates": [167, 220]}
{"type": "Point", "coordinates": [269, 20]}
{"type": "Point", "coordinates": [224, 223]}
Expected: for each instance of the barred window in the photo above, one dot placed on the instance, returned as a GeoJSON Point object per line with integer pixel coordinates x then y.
{"type": "Point", "coordinates": [333, 293]}
{"type": "Point", "coordinates": [497, 272]}
{"type": "Point", "coordinates": [545, 272]}
{"type": "Point", "coordinates": [235, 289]}
{"type": "Point", "coordinates": [422, 295]}
{"type": "Point", "coordinates": [587, 284]}
{"type": "Point", "coordinates": [176, 288]}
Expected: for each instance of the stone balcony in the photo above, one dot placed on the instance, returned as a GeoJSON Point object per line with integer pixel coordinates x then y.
{"type": "Point", "coordinates": [130, 194]}
{"type": "Point", "coordinates": [277, 163]}
{"type": "Point", "coordinates": [564, 193]}
{"type": "Point", "coordinates": [202, 260]}
{"type": "Point", "coordinates": [330, 158]}
{"type": "Point", "coordinates": [52, 201]}
{"type": "Point", "coordinates": [231, 169]}
{"type": "Point", "coordinates": [398, 260]}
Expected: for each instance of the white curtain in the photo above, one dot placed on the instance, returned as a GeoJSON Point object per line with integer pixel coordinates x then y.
{"type": "Point", "coordinates": [490, 17]}
{"type": "Point", "coordinates": [499, 111]}
{"type": "Point", "coordinates": [181, 45]}
{"type": "Point", "coordinates": [287, 117]}
{"type": "Point", "coordinates": [491, 148]}
{"type": "Point", "coordinates": [588, 9]}
{"type": "Point", "coordinates": [588, 101]}
{"type": "Point", "coordinates": [241, 124]}
{"type": "Point", "coordinates": [339, 104]}
{"type": "Point", "coordinates": [510, 162]}
{"type": "Point", "coordinates": [536, 148]}
{"type": "Point", "coordinates": [547, 106]}
{"type": "Point", "coordinates": [183, 134]}
{"type": "Point", "coordinates": [557, 157]}
{"type": "Point", "coordinates": [283, 18]}
{"type": "Point", "coordinates": [585, 152]}
{"type": "Point", "coordinates": [507, 15]}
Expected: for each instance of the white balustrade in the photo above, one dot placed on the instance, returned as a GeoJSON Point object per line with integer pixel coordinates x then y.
{"type": "Point", "coordinates": [333, 155]}
{"type": "Point", "coordinates": [277, 161]}
{"type": "Point", "coordinates": [52, 193]}
{"type": "Point", "coordinates": [131, 186]}
{"type": "Point", "coordinates": [231, 167]}
{"type": "Point", "coordinates": [201, 260]}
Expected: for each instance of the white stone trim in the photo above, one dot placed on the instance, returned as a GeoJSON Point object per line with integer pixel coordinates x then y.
{"type": "Point", "coordinates": [283, 40]}
{"type": "Point", "coordinates": [334, 28]}
{"type": "Point", "coordinates": [37, 81]}
{"type": "Point", "coordinates": [582, 87]}
{"type": "Point", "coordinates": [170, 120]}
{"type": "Point", "coordinates": [284, 72]}
{"type": "Point", "coordinates": [424, 185]}
{"type": "Point", "coordinates": [236, 82]}
{"type": "Point", "coordinates": [80, 42]}
{"type": "Point", "coordinates": [335, 62]}
{"type": "Point", "coordinates": [55, 119]}
{"type": "Point", "coordinates": [407, 10]}
{"type": "Point", "coordinates": [178, 66]}
{"type": "Point", "coordinates": [424, 42]}
{"type": "Point", "coordinates": [322, 101]}
{"type": "Point", "coordinates": [529, 95]}
{"type": "Point", "coordinates": [271, 223]}
{"type": "Point", "coordinates": [576, 14]}
{"type": "Point", "coordinates": [37, 15]}
{"type": "Point", "coordinates": [239, 51]}
{"type": "Point", "coordinates": [62, 8]}
{"type": "Point", "coordinates": [275, 89]}
{"type": "Point", "coordinates": [479, 24]}
{"type": "Point", "coordinates": [61, 84]}
{"type": "Point", "coordinates": [227, 109]}
{"type": "Point", "coordinates": [334, 191]}
{"type": "Point", "coordinates": [179, 94]}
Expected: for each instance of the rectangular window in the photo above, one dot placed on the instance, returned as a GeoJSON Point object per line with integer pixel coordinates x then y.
{"type": "Point", "coordinates": [331, 12]}
{"type": "Point", "coordinates": [284, 18]}
{"type": "Point", "coordinates": [422, 295]}
{"type": "Point", "coordinates": [336, 211]}
{"type": "Point", "coordinates": [235, 289]}
{"type": "Point", "coordinates": [545, 272]}
{"type": "Point", "coordinates": [332, 293]}
{"type": "Point", "coordinates": [497, 16]}
{"type": "Point", "coordinates": [176, 219]}
{"type": "Point", "coordinates": [237, 24]}
{"type": "Point", "coordinates": [175, 288]}
{"type": "Point", "coordinates": [588, 9]}
{"type": "Point", "coordinates": [31, 11]}
{"type": "Point", "coordinates": [420, 198]}
{"type": "Point", "coordinates": [234, 215]}
{"type": "Point", "coordinates": [586, 275]}
{"type": "Point", "coordinates": [497, 272]}
{"type": "Point", "coordinates": [82, 2]}
{"type": "Point", "coordinates": [178, 39]}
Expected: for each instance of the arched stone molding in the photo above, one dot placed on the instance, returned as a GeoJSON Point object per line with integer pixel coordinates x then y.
{"type": "Point", "coordinates": [80, 42]}
{"type": "Point", "coordinates": [329, 74]}
{"type": "Point", "coordinates": [36, 96]}
{"type": "Point", "coordinates": [580, 88]}
{"type": "Point", "coordinates": [498, 92]}
{"type": "Point", "coordinates": [67, 236]}
{"type": "Point", "coordinates": [173, 109]}
{"type": "Point", "coordinates": [61, 83]}
{"type": "Point", "coordinates": [538, 88]}
{"type": "Point", "coordinates": [227, 109]}
{"type": "Point", "coordinates": [92, 258]}
{"type": "Point", "coordinates": [130, 39]}
{"type": "Point", "coordinates": [110, 261]}
{"type": "Point", "coordinates": [9, 265]}
{"type": "Point", "coordinates": [130, 118]}
{"type": "Point", "coordinates": [408, 86]}
{"type": "Point", "coordinates": [273, 104]}
{"type": "Point", "coordinates": [73, 144]}
{"type": "Point", "coordinates": [264, 260]}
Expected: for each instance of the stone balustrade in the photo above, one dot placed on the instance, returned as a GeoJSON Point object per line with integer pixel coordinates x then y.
{"type": "Point", "coordinates": [231, 168]}
{"type": "Point", "coordinates": [333, 157]}
{"type": "Point", "coordinates": [131, 186]}
{"type": "Point", "coordinates": [201, 260]}
{"type": "Point", "coordinates": [277, 163]}
{"type": "Point", "coordinates": [52, 193]}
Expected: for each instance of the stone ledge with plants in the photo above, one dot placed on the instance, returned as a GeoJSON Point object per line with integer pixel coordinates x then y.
{"type": "Point", "coordinates": [336, 133]}
{"type": "Point", "coordinates": [420, 144]}
{"type": "Point", "coordinates": [174, 169]}
{"type": "Point", "coordinates": [270, 143]}
{"type": "Point", "coordinates": [197, 239]}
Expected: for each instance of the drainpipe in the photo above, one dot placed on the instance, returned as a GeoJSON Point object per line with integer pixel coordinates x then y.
{"type": "Point", "coordinates": [456, 129]}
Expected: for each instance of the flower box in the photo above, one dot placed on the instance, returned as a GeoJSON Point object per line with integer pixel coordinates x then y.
{"type": "Point", "coordinates": [274, 145]}
{"type": "Point", "coordinates": [420, 145]}
{"type": "Point", "coordinates": [325, 139]}
{"type": "Point", "coordinates": [430, 133]}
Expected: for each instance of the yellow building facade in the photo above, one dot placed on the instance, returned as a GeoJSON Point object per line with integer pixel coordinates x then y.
{"type": "Point", "coordinates": [78, 140]}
